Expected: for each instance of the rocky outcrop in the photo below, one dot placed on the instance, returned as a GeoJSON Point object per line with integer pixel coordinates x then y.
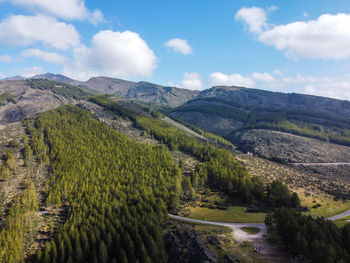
{"type": "Point", "coordinates": [184, 245]}
{"type": "Point", "coordinates": [289, 147]}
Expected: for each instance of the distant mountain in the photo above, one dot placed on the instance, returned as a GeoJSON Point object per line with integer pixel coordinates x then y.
{"type": "Point", "coordinates": [143, 91]}
{"type": "Point", "coordinates": [56, 77]}
{"type": "Point", "coordinates": [17, 77]}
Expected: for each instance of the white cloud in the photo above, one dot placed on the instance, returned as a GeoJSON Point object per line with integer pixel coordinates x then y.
{"type": "Point", "coordinates": [277, 72]}
{"type": "Point", "coordinates": [272, 9]}
{"type": "Point", "coordinates": [220, 79]}
{"type": "Point", "coordinates": [30, 72]}
{"type": "Point", "coordinates": [50, 57]}
{"type": "Point", "coordinates": [19, 30]}
{"type": "Point", "coordinates": [263, 77]}
{"type": "Point", "coordinates": [192, 81]}
{"type": "Point", "coordinates": [114, 54]}
{"type": "Point", "coordinates": [333, 87]}
{"type": "Point", "coordinates": [96, 17]}
{"type": "Point", "coordinates": [337, 89]}
{"type": "Point", "coordinates": [6, 58]}
{"type": "Point", "coordinates": [179, 45]}
{"type": "Point", "coordinates": [253, 17]}
{"type": "Point", "coordinates": [66, 9]}
{"type": "Point", "coordinates": [328, 37]}
{"type": "Point", "coordinates": [300, 79]}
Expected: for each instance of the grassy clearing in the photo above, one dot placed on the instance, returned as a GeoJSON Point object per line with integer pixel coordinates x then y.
{"type": "Point", "coordinates": [342, 221]}
{"type": "Point", "coordinates": [251, 230]}
{"type": "Point", "coordinates": [233, 214]}
{"type": "Point", "coordinates": [322, 204]}
{"type": "Point", "coordinates": [216, 206]}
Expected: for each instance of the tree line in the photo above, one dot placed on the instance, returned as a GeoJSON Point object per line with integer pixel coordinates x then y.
{"type": "Point", "coordinates": [19, 225]}
{"type": "Point", "coordinates": [317, 238]}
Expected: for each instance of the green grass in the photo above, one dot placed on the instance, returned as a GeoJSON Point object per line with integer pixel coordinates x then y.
{"type": "Point", "coordinates": [251, 230]}
{"type": "Point", "coordinates": [233, 214]}
{"type": "Point", "coordinates": [329, 207]}
{"type": "Point", "coordinates": [216, 198]}
{"type": "Point", "coordinates": [342, 221]}
{"type": "Point", "coordinates": [207, 230]}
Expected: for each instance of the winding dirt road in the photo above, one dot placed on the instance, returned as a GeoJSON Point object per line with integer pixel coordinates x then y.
{"type": "Point", "coordinates": [238, 233]}
{"type": "Point", "coordinates": [319, 164]}
{"type": "Point", "coordinates": [345, 214]}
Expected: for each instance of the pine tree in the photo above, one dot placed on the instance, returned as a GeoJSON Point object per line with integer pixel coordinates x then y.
{"type": "Point", "coordinates": [102, 253]}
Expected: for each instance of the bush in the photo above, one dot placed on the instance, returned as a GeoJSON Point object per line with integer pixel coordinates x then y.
{"type": "Point", "coordinates": [4, 173]}
{"type": "Point", "coordinates": [14, 144]}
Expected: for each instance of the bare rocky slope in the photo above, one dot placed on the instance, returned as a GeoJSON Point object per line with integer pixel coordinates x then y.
{"type": "Point", "coordinates": [292, 148]}
{"type": "Point", "coordinates": [25, 101]}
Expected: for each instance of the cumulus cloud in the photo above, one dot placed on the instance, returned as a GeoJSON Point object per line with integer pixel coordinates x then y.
{"type": "Point", "coordinates": [220, 79]}
{"type": "Point", "coordinates": [327, 37]}
{"type": "Point", "coordinates": [333, 87]}
{"type": "Point", "coordinates": [300, 79]}
{"type": "Point", "coordinates": [6, 58]}
{"type": "Point", "coordinates": [30, 72]}
{"type": "Point", "coordinates": [19, 30]}
{"type": "Point", "coordinates": [253, 17]}
{"type": "Point", "coordinates": [49, 57]}
{"type": "Point", "coordinates": [263, 77]}
{"type": "Point", "coordinates": [339, 89]}
{"type": "Point", "coordinates": [179, 46]}
{"type": "Point", "coordinates": [66, 9]}
{"type": "Point", "coordinates": [114, 54]}
{"type": "Point", "coordinates": [277, 72]}
{"type": "Point", "coordinates": [192, 81]}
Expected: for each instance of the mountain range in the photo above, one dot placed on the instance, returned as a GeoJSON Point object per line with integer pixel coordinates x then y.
{"type": "Point", "coordinates": [236, 113]}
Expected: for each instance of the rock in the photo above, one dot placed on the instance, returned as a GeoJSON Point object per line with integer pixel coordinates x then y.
{"type": "Point", "coordinates": [213, 240]}
{"type": "Point", "coordinates": [230, 259]}
{"type": "Point", "coordinates": [184, 245]}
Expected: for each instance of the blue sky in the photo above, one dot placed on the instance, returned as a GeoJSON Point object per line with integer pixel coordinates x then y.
{"type": "Point", "coordinates": [288, 46]}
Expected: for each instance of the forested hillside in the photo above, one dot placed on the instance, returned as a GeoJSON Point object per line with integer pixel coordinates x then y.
{"type": "Point", "coordinates": [324, 126]}
{"type": "Point", "coordinates": [117, 190]}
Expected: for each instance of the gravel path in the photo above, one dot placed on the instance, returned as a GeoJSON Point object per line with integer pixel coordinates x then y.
{"type": "Point", "coordinates": [345, 214]}
{"type": "Point", "coordinates": [267, 250]}
{"type": "Point", "coordinates": [319, 164]}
